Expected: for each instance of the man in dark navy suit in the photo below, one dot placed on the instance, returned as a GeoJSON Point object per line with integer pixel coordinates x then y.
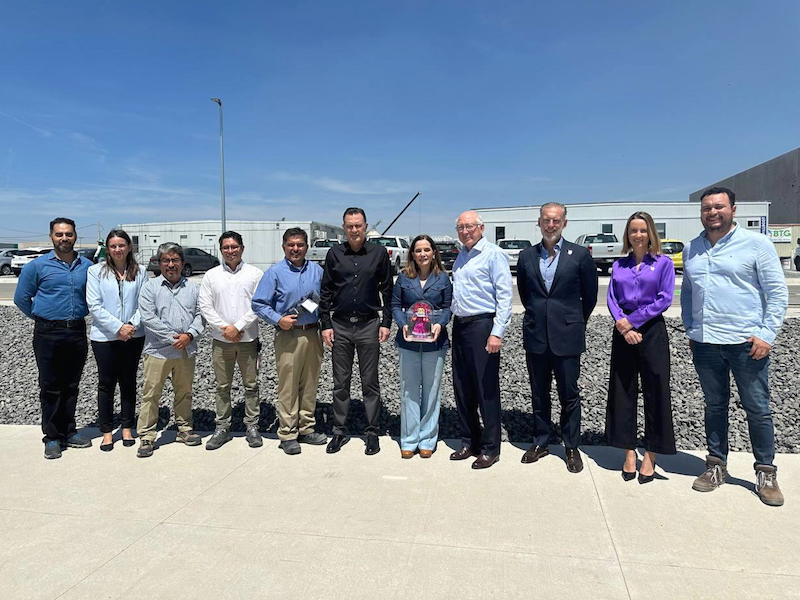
{"type": "Point", "coordinates": [557, 282]}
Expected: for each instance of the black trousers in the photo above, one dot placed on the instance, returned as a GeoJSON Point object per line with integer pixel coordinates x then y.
{"type": "Point", "coordinates": [650, 359]}
{"type": "Point", "coordinates": [567, 369]}
{"type": "Point", "coordinates": [349, 338]}
{"type": "Point", "coordinates": [476, 383]}
{"type": "Point", "coordinates": [117, 362]}
{"type": "Point", "coordinates": [60, 357]}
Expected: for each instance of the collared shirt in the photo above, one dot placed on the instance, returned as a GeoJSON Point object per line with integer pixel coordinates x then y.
{"type": "Point", "coordinates": [167, 311]}
{"type": "Point", "coordinates": [356, 282]}
{"type": "Point", "coordinates": [482, 284]}
{"type": "Point", "coordinates": [547, 265]}
{"type": "Point", "coordinates": [113, 302]}
{"type": "Point", "coordinates": [282, 287]}
{"type": "Point", "coordinates": [639, 294]}
{"type": "Point", "coordinates": [732, 290]}
{"type": "Point", "coordinates": [51, 289]}
{"type": "Point", "coordinates": [225, 297]}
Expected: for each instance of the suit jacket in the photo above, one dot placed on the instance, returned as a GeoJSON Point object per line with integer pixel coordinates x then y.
{"type": "Point", "coordinates": [438, 291]}
{"type": "Point", "coordinates": [557, 320]}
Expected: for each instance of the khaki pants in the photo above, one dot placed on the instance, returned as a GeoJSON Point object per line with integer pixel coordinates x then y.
{"type": "Point", "coordinates": [298, 357]}
{"type": "Point", "coordinates": [224, 357]}
{"type": "Point", "coordinates": [156, 371]}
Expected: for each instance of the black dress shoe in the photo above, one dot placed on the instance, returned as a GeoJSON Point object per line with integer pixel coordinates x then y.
{"type": "Point", "coordinates": [647, 478]}
{"type": "Point", "coordinates": [373, 446]}
{"type": "Point", "coordinates": [484, 461]}
{"type": "Point", "coordinates": [627, 476]}
{"type": "Point", "coordinates": [574, 461]}
{"type": "Point", "coordinates": [128, 443]}
{"type": "Point", "coordinates": [534, 453]}
{"type": "Point", "coordinates": [462, 454]}
{"type": "Point", "coordinates": [336, 443]}
{"type": "Point", "coordinates": [107, 447]}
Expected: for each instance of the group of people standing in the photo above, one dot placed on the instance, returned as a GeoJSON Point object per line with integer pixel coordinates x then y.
{"type": "Point", "coordinates": [733, 301]}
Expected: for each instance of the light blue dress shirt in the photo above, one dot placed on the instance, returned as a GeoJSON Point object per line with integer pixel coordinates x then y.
{"type": "Point", "coordinates": [548, 266]}
{"type": "Point", "coordinates": [167, 310]}
{"type": "Point", "coordinates": [732, 290]}
{"type": "Point", "coordinates": [282, 287]}
{"type": "Point", "coordinates": [51, 289]}
{"type": "Point", "coordinates": [482, 284]}
{"type": "Point", "coordinates": [113, 303]}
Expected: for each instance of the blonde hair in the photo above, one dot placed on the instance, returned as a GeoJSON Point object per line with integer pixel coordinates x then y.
{"type": "Point", "coordinates": [652, 234]}
{"type": "Point", "coordinates": [410, 269]}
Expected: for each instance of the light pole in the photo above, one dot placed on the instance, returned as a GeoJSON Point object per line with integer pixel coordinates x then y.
{"type": "Point", "coordinates": [221, 163]}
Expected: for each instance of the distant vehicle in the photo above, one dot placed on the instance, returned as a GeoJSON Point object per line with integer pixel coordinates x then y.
{"type": "Point", "coordinates": [195, 260]}
{"type": "Point", "coordinates": [673, 249]}
{"type": "Point", "coordinates": [449, 252]}
{"type": "Point", "coordinates": [23, 257]}
{"type": "Point", "coordinates": [603, 247]}
{"type": "Point", "coordinates": [5, 260]}
{"type": "Point", "coordinates": [512, 248]}
{"type": "Point", "coordinates": [796, 256]}
{"type": "Point", "coordinates": [396, 246]}
{"type": "Point", "coordinates": [319, 250]}
{"type": "Point", "coordinates": [88, 253]}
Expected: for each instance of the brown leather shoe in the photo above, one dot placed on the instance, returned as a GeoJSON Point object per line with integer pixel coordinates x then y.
{"type": "Point", "coordinates": [534, 453]}
{"type": "Point", "coordinates": [767, 485]}
{"type": "Point", "coordinates": [574, 460]}
{"type": "Point", "coordinates": [406, 453]}
{"type": "Point", "coordinates": [425, 453]}
{"type": "Point", "coordinates": [484, 461]}
{"type": "Point", "coordinates": [462, 454]}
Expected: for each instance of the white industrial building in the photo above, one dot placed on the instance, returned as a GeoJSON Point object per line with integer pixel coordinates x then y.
{"type": "Point", "coordinates": [674, 220]}
{"type": "Point", "coordinates": [262, 239]}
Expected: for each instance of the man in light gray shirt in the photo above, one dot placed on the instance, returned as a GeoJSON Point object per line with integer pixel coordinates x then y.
{"type": "Point", "coordinates": [172, 325]}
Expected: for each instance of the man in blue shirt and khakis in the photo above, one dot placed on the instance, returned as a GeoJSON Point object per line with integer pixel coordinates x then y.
{"type": "Point", "coordinates": [52, 291]}
{"type": "Point", "coordinates": [298, 345]}
{"type": "Point", "coordinates": [733, 301]}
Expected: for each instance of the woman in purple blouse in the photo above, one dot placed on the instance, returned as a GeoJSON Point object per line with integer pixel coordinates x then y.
{"type": "Point", "coordinates": [641, 289]}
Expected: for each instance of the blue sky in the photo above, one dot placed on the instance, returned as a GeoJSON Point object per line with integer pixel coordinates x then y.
{"type": "Point", "coordinates": [105, 111]}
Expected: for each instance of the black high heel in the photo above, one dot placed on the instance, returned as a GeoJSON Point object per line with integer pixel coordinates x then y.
{"type": "Point", "coordinates": [648, 478]}
{"type": "Point", "coordinates": [628, 476]}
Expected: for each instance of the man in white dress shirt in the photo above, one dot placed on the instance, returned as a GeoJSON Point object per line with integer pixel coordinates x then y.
{"type": "Point", "coordinates": [225, 297]}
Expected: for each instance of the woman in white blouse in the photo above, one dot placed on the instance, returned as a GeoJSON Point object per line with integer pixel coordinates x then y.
{"type": "Point", "coordinates": [112, 293]}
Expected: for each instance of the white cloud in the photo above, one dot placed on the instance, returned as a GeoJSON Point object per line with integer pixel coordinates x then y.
{"type": "Point", "coordinates": [367, 188]}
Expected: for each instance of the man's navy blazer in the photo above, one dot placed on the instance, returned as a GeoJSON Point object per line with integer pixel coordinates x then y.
{"type": "Point", "coordinates": [557, 320]}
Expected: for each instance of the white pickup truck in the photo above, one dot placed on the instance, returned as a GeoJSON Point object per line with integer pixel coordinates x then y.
{"type": "Point", "coordinates": [603, 247]}
{"type": "Point", "coordinates": [319, 249]}
{"type": "Point", "coordinates": [396, 246]}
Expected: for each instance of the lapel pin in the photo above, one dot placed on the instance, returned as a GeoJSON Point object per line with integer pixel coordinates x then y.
{"type": "Point", "coordinates": [569, 251]}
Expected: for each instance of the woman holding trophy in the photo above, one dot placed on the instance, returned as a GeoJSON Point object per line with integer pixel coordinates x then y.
{"type": "Point", "coordinates": [421, 309]}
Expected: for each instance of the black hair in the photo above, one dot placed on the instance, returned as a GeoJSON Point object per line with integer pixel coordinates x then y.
{"type": "Point", "coordinates": [720, 190]}
{"type": "Point", "coordinates": [354, 210]}
{"type": "Point", "coordinates": [231, 234]}
{"type": "Point", "coordinates": [294, 232]}
{"type": "Point", "coordinates": [64, 220]}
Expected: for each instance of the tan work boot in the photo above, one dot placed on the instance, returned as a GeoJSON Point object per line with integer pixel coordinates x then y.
{"type": "Point", "coordinates": [767, 485]}
{"type": "Point", "coordinates": [715, 475]}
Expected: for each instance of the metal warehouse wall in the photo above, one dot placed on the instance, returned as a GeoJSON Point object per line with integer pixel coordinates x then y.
{"type": "Point", "coordinates": [775, 181]}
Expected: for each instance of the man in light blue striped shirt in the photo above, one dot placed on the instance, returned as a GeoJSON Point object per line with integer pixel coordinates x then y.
{"type": "Point", "coordinates": [172, 323]}
{"type": "Point", "coordinates": [733, 301]}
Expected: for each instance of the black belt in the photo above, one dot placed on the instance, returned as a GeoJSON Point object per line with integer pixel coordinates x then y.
{"type": "Point", "coordinates": [472, 318]}
{"type": "Point", "coordinates": [76, 324]}
{"type": "Point", "coordinates": [354, 317]}
{"type": "Point", "coordinates": [309, 326]}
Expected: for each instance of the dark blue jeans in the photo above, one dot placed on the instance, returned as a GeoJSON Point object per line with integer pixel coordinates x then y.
{"type": "Point", "coordinates": [714, 364]}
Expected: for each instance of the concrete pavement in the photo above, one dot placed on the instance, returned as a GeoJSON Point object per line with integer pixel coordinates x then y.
{"type": "Point", "coordinates": [255, 523]}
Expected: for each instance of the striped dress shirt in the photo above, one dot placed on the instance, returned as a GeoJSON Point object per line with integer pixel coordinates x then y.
{"type": "Point", "coordinates": [167, 310]}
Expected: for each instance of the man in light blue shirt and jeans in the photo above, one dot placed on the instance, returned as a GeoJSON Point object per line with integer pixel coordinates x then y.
{"type": "Point", "coordinates": [733, 301]}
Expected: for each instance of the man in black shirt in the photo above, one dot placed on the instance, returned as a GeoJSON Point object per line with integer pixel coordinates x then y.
{"type": "Point", "coordinates": [356, 284]}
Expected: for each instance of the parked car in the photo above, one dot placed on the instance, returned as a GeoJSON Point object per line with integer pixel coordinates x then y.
{"type": "Point", "coordinates": [796, 256]}
{"type": "Point", "coordinates": [5, 260]}
{"type": "Point", "coordinates": [195, 260]}
{"type": "Point", "coordinates": [23, 257]}
{"type": "Point", "coordinates": [396, 246]}
{"type": "Point", "coordinates": [674, 249]}
{"type": "Point", "coordinates": [88, 253]}
{"type": "Point", "coordinates": [319, 250]}
{"type": "Point", "coordinates": [449, 252]}
{"type": "Point", "coordinates": [603, 247]}
{"type": "Point", "coordinates": [512, 248]}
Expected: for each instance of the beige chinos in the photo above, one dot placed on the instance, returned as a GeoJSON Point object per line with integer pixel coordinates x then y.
{"type": "Point", "coordinates": [225, 356]}
{"type": "Point", "coordinates": [298, 357]}
{"type": "Point", "coordinates": [156, 371]}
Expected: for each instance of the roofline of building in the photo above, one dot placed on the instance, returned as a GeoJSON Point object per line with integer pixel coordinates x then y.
{"type": "Point", "coordinates": [576, 204]}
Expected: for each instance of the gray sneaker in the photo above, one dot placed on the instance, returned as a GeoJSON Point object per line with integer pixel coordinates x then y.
{"type": "Point", "coordinates": [290, 446]}
{"type": "Point", "coordinates": [315, 438]}
{"type": "Point", "coordinates": [218, 438]}
{"type": "Point", "coordinates": [190, 438]}
{"type": "Point", "coordinates": [52, 449]}
{"type": "Point", "coordinates": [146, 448]}
{"type": "Point", "coordinates": [253, 436]}
{"type": "Point", "coordinates": [767, 485]}
{"type": "Point", "coordinates": [715, 475]}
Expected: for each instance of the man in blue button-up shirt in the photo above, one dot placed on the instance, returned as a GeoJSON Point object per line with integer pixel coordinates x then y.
{"type": "Point", "coordinates": [52, 291]}
{"type": "Point", "coordinates": [733, 301]}
{"type": "Point", "coordinates": [298, 345]}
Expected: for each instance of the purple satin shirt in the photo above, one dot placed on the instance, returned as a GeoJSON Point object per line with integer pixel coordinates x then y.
{"type": "Point", "coordinates": [641, 294]}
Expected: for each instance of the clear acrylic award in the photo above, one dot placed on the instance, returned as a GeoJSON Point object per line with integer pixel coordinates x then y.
{"type": "Point", "coordinates": [420, 322]}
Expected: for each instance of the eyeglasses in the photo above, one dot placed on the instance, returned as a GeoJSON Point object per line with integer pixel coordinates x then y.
{"type": "Point", "coordinates": [231, 248]}
{"type": "Point", "coordinates": [467, 227]}
{"type": "Point", "coordinates": [170, 261]}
